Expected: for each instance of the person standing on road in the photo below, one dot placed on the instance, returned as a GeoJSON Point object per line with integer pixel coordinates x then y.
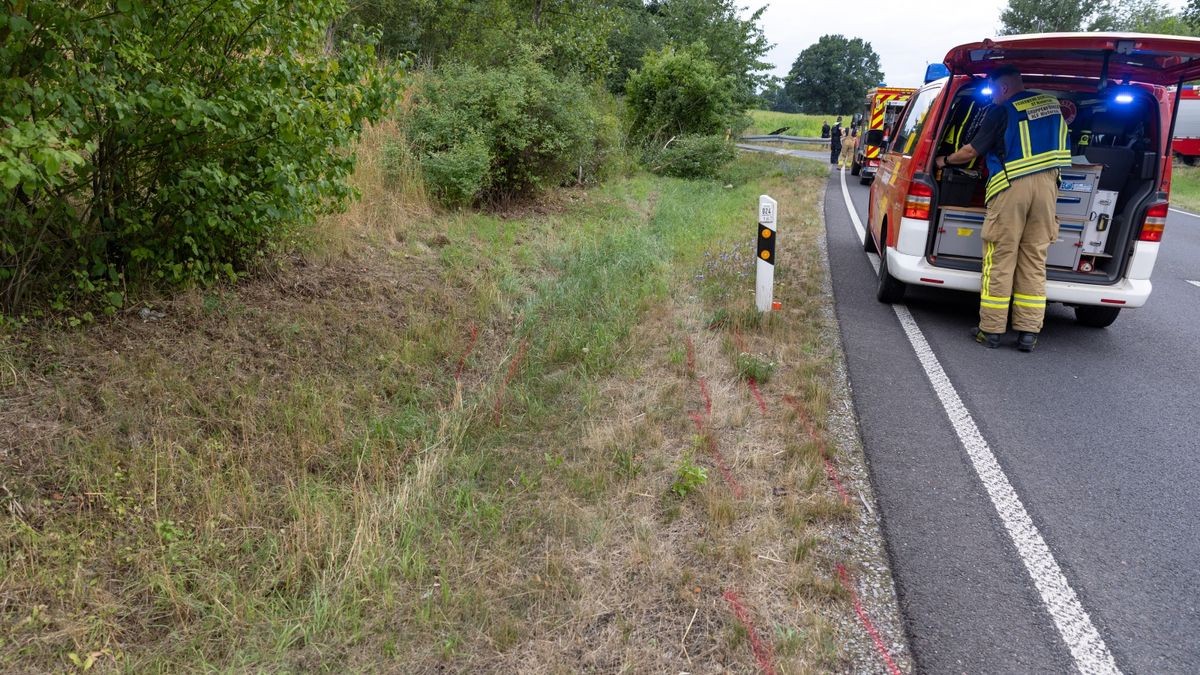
{"type": "Point", "coordinates": [849, 143]}
{"type": "Point", "coordinates": [825, 129]}
{"type": "Point", "coordinates": [1023, 139]}
{"type": "Point", "coordinates": [835, 141]}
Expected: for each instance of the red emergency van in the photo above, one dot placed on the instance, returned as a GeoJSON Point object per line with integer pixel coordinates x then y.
{"type": "Point", "coordinates": [1117, 94]}
{"type": "Point", "coordinates": [1186, 143]}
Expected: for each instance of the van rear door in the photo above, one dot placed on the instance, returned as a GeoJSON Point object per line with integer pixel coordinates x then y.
{"type": "Point", "coordinates": [1152, 59]}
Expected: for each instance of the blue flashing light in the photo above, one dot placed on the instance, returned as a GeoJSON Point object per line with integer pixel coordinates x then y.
{"type": "Point", "coordinates": [1123, 98]}
{"type": "Point", "coordinates": [986, 91]}
{"type": "Point", "coordinates": [936, 71]}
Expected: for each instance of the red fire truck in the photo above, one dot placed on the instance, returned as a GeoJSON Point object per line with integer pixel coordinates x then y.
{"type": "Point", "coordinates": [882, 106]}
{"type": "Point", "coordinates": [1186, 145]}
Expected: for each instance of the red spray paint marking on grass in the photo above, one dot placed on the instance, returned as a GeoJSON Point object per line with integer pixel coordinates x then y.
{"type": "Point", "coordinates": [470, 347]}
{"type": "Point", "coordinates": [762, 649]}
{"type": "Point", "coordinates": [710, 442]}
{"type": "Point", "coordinates": [726, 473]}
{"type": "Point", "coordinates": [762, 403]}
{"type": "Point", "coordinates": [830, 470]}
{"type": "Point", "coordinates": [844, 576]}
{"type": "Point", "coordinates": [832, 474]}
{"type": "Point", "coordinates": [512, 371]}
{"type": "Point", "coordinates": [740, 343]}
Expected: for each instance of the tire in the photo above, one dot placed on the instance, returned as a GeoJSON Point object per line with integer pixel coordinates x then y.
{"type": "Point", "coordinates": [889, 290]}
{"type": "Point", "coordinates": [865, 180]}
{"type": "Point", "coordinates": [1096, 317]}
{"type": "Point", "coordinates": [855, 168]}
{"type": "Point", "coordinates": [1190, 160]}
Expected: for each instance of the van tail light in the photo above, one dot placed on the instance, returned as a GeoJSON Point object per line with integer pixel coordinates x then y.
{"type": "Point", "coordinates": [918, 201]}
{"type": "Point", "coordinates": [1156, 220]}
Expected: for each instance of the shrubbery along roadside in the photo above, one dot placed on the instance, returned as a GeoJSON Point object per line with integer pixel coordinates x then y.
{"type": "Point", "coordinates": [155, 142]}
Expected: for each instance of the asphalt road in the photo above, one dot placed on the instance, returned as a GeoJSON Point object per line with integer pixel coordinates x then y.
{"type": "Point", "coordinates": [1097, 432]}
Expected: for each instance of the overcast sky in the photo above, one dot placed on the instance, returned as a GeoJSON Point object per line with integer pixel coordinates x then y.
{"type": "Point", "coordinates": [907, 34]}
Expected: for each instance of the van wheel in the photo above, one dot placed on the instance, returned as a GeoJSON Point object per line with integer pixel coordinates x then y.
{"type": "Point", "coordinates": [855, 168]}
{"type": "Point", "coordinates": [890, 290]}
{"type": "Point", "coordinates": [1096, 317]}
{"type": "Point", "coordinates": [1190, 160]}
{"type": "Point", "coordinates": [865, 180]}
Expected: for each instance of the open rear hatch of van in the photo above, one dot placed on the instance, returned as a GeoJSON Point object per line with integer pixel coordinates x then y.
{"type": "Point", "coordinates": [1111, 88]}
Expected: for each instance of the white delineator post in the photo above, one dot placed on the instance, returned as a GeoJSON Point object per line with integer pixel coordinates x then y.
{"type": "Point", "coordinates": [764, 286]}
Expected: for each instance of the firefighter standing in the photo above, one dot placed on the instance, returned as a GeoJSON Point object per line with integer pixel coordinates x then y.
{"type": "Point", "coordinates": [835, 141]}
{"type": "Point", "coordinates": [1023, 139]}
{"type": "Point", "coordinates": [849, 142]}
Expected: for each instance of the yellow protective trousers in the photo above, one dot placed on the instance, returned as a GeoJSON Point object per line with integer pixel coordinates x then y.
{"type": "Point", "coordinates": [1017, 232]}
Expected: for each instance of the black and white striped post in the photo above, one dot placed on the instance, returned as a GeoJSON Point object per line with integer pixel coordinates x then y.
{"type": "Point", "coordinates": [764, 287]}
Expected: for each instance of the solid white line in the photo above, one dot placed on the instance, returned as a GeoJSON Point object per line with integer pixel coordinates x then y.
{"type": "Point", "coordinates": [1187, 213]}
{"type": "Point", "coordinates": [1073, 622]}
{"type": "Point", "coordinates": [1194, 283]}
{"type": "Point", "coordinates": [862, 233]}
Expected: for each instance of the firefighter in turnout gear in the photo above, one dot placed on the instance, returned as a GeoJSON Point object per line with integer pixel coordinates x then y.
{"type": "Point", "coordinates": [1023, 139]}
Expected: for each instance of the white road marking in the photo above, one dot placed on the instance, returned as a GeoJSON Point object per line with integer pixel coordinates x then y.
{"type": "Point", "coordinates": [862, 233]}
{"type": "Point", "coordinates": [1074, 624]}
{"type": "Point", "coordinates": [1187, 213]}
{"type": "Point", "coordinates": [1194, 283]}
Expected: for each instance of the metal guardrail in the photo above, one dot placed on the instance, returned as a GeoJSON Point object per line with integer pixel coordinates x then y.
{"type": "Point", "coordinates": [785, 139]}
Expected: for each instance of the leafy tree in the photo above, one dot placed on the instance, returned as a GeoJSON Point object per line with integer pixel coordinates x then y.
{"type": "Point", "coordinates": [831, 75]}
{"type": "Point", "coordinates": [572, 34]}
{"type": "Point", "coordinates": [1145, 16]}
{"type": "Point", "coordinates": [737, 46]}
{"type": "Point", "coordinates": [1046, 16]}
{"type": "Point", "coordinates": [169, 141]}
{"type": "Point", "coordinates": [774, 97]}
{"type": "Point", "coordinates": [679, 92]}
{"type": "Point", "coordinates": [637, 32]}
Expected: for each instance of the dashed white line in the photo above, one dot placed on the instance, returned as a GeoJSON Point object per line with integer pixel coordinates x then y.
{"type": "Point", "coordinates": [1074, 624]}
{"type": "Point", "coordinates": [1194, 283]}
{"type": "Point", "coordinates": [1187, 213]}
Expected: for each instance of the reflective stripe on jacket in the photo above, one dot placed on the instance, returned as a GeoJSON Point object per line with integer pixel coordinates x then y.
{"type": "Point", "coordinates": [1035, 139]}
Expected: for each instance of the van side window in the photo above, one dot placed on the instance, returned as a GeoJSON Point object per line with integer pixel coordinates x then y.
{"type": "Point", "coordinates": [909, 129]}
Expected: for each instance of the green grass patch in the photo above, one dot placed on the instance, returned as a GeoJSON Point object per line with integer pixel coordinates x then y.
{"type": "Point", "coordinates": [1185, 187]}
{"type": "Point", "coordinates": [807, 126]}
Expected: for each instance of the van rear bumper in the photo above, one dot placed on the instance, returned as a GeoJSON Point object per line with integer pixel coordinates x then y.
{"type": "Point", "coordinates": [916, 270]}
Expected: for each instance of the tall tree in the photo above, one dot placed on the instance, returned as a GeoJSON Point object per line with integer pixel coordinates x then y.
{"type": "Point", "coordinates": [1046, 16]}
{"type": "Point", "coordinates": [737, 45]}
{"type": "Point", "coordinates": [831, 75]}
{"type": "Point", "coordinates": [1143, 16]}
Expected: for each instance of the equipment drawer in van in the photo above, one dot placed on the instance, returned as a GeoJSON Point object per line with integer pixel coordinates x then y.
{"type": "Point", "coordinates": [1065, 251]}
{"type": "Point", "coordinates": [1075, 189]}
{"type": "Point", "coordinates": [958, 232]}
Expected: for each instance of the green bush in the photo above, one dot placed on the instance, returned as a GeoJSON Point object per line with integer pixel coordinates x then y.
{"type": "Point", "coordinates": [538, 130]}
{"type": "Point", "coordinates": [693, 157]}
{"type": "Point", "coordinates": [458, 173]}
{"type": "Point", "coordinates": [680, 92]}
{"type": "Point", "coordinates": [168, 141]}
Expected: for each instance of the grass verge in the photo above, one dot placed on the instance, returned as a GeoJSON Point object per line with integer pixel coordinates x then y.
{"type": "Point", "coordinates": [456, 441]}
{"type": "Point", "coordinates": [1185, 187]}
{"type": "Point", "coordinates": [807, 126]}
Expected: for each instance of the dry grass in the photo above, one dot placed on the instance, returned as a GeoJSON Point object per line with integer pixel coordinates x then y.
{"type": "Point", "coordinates": [288, 475]}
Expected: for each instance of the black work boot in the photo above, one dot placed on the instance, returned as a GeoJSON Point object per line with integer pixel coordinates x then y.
{"type": "Point", "coordinates": [989, 340]}
{"type": "Point", "coordinates": [1026, 341]}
